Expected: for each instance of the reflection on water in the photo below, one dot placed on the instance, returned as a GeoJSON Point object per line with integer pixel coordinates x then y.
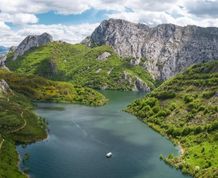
{"type": "Point", "coordinates": [80, 136]}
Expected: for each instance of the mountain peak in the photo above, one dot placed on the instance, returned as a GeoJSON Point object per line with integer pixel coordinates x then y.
{"type": "Point", "coordinates": [32, 41]}
{"type": "Point", "coordinates": [163, 50]}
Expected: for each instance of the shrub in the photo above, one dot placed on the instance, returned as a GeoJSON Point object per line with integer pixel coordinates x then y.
{"type": "Point", "coordinates": [188, 98]}
{"type": "Point", "coordinates": [151, 101]}
{"type": "Point", "coordinates": [213, 127]}
{"type": "Point", "coordinates": [215, 137]}
{"type": "Point", "coordinates": [194, 105]}
{"type": "Point", "coordinates": [172, 106]}
{"type": "Point", "coordinates": [186, 131]}
{"type": "Point", "coordinates": [163, 113]}
{"type": "Point", "coordinates": [146, 108]}
{"type": "Point", "coordinates": [156, 109]}
{"type": "Point", "coordinates": [198, 130]}
{"type": "Point", "coordinates": [208, 94]}
{"type": "Point", "coordinates": [165, 95]}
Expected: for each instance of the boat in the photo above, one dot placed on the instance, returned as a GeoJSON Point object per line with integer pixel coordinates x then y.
{"type": "Point", "coordinates": [109, 155]}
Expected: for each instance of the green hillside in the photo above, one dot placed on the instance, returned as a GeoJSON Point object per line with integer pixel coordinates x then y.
{"type": "Point", "coordinates": [185, 109]}
{"type": "Point", "coordinates": [80, 65]}
{"type": "Point", "coordinates": [18, 123]}
{"type": "Point", "coordinates": [38, 88]}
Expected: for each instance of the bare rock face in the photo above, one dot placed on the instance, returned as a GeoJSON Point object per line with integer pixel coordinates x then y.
{"type": "Point", "coordinates": [4, 88]}
{"type": "Point", "coordinates": [12, 49]}
{"type": "Point", "coordinates": [2, 62]}
{"type": "Point", "coordinates": [104, 56]}
{"type": "Point", "coordinates": [140, 85]}
{"type": "Point", "coordinates": [31, 42]}
{"type": "Point", "coordinates": [136, 83]}
{"type": "Point", "coordinates": [164, 50]}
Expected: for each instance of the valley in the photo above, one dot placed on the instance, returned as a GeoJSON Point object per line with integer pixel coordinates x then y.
{"type": "Point", "coordinates": [185, 110]}
{"type": "Point", "coordinates": [166, 76]}
{"type": "Point", "coordinates": [82, 65]}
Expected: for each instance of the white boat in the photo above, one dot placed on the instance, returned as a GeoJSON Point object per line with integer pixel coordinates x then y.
{"type": "Point", "coordinates": [109, 155]}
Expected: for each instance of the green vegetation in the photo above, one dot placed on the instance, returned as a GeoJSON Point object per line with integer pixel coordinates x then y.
{"type": "Point", "coordinates": [8, 161]}
{"type": "Point", "coordinates": [19, 124]}
{"type": "Point", "coordinates": [79, 65]}
{"type": "Point", "coordinates": [38, 88]}
{"type": "Point", "coordinates": [185, 109]}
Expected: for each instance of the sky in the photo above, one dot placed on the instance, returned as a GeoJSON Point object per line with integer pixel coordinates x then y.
{"type": "Point", "coordinates": [73, 20]}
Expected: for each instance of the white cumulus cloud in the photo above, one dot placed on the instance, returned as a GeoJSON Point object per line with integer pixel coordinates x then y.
{"type": "Point", "coordinates": [68, 33]}
{"type": "Point", "coordinates": [23, 14]}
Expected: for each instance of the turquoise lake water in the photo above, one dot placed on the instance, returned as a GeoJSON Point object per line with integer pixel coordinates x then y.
{"type": "Point", "coordinates": [80, 136]}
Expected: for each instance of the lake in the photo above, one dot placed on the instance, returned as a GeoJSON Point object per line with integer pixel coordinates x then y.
{"type": "Point", "coordinates": [80, 136]}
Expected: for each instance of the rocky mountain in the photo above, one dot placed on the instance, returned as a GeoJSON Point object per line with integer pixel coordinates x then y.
{"type": "Point", "coordinates": [2, 62]}
{"type": "Point", "coordinates": [4, 88]}
{"type": "Point", "coordinates": [163, 50]}
{"type": "Point", "coordinates": [31, 41]}
{"type": "Point", "coordinates": [98, 67]}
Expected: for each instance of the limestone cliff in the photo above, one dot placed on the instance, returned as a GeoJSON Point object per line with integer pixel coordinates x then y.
{"type": "Point", "coordinates": [2, 62]}
{"type": "Point", "coordinates": [31, 41]}
{"type": "Point", "coordinates": [163, 50]}
{"type": "Point", "coordinates": [4, 88]}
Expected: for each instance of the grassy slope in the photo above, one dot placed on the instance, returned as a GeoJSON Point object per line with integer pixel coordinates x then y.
{"type": "Point", "coordinates": [8, 161]}
{"type": "Point", "coordinates": [38, 88]}
{"type": "Point", "coordinates": [185, 109]}
{"type": "Point", "coordinates": [78, 64]}
{"type": "Point", "coordinates": [17, 124]}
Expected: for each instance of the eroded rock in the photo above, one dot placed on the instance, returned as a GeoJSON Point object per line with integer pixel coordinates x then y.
{"type": "Point", "coordinates": [4, 87]}
{"type": "Point", "coordinates": [31, 41]}
{"type": "Point", "coordinates": [104, 56]}
{"type": "Point", "coordinates": [167, 48]}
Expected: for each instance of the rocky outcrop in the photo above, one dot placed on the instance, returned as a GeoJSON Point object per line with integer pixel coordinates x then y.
{"type": "Point", "coordinates": [2, 62]}
{"type": "Point", "coordinates": [12, 49]}
{"type": "Point", "coordinates": [135, 82]}
{"type": "Point", "coordinates": [140, 85]}
{"type": "Point", "coordinates": [31, 41]}
{"type": "Point", "coordinates": [163, 50]}
{"type": "Point", "coordinates": [4, 88]}
{"type": "Point", "coordinates": [103, 56]}
{"type": "Point", "coordinates": [135, 61]}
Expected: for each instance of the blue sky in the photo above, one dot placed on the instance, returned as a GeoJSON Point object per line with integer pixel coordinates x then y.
{"type": "Point", "coordinates": [88, 16]}
{"type": "Point", "coordinates": [73, 20]}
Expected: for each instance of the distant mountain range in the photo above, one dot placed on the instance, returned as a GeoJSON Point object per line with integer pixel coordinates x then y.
{"type": "Point", "coordinates": [144, 54]}
{"type": "Point", "coordinates": [3, 50]}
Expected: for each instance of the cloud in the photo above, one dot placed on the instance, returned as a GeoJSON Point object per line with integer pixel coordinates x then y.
{"type": "Point", "coordinates": [40, 6]}
{"type": "Point", "coordinates": [68, 33]}
{"type": "Point", "coordinates": [146, 11]}
{"type": "Point", "coordinates": [203, 8]}
{"type": "Point", "coordinates": [18, 18]}
{"type": "Point", "coordinates": [23, 14]}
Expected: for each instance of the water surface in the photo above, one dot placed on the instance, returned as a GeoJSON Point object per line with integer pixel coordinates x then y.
{"type": "Point", "coordinates": [80, 136]}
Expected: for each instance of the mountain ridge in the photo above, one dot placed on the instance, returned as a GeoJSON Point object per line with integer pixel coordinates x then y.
{"type": "Point", "coordinates": [184, 109]}
{"type": "Point", "coordinates": [164, 50]}
{"type": "Point", "coordinates": [99, 67]}
{"type": "Point", "coordinates": [30, 42]}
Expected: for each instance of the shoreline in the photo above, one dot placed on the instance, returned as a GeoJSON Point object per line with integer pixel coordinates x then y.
{"type": "Point", "coordinates": [181, 149]}
{"type": "Point", "coordinates": [19, 162]}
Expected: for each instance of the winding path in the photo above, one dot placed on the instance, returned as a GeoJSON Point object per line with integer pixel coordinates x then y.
{"type": "Point", "coordinates": [2, 143]}
{"type": "Point", "coordinates": [21, 127]}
